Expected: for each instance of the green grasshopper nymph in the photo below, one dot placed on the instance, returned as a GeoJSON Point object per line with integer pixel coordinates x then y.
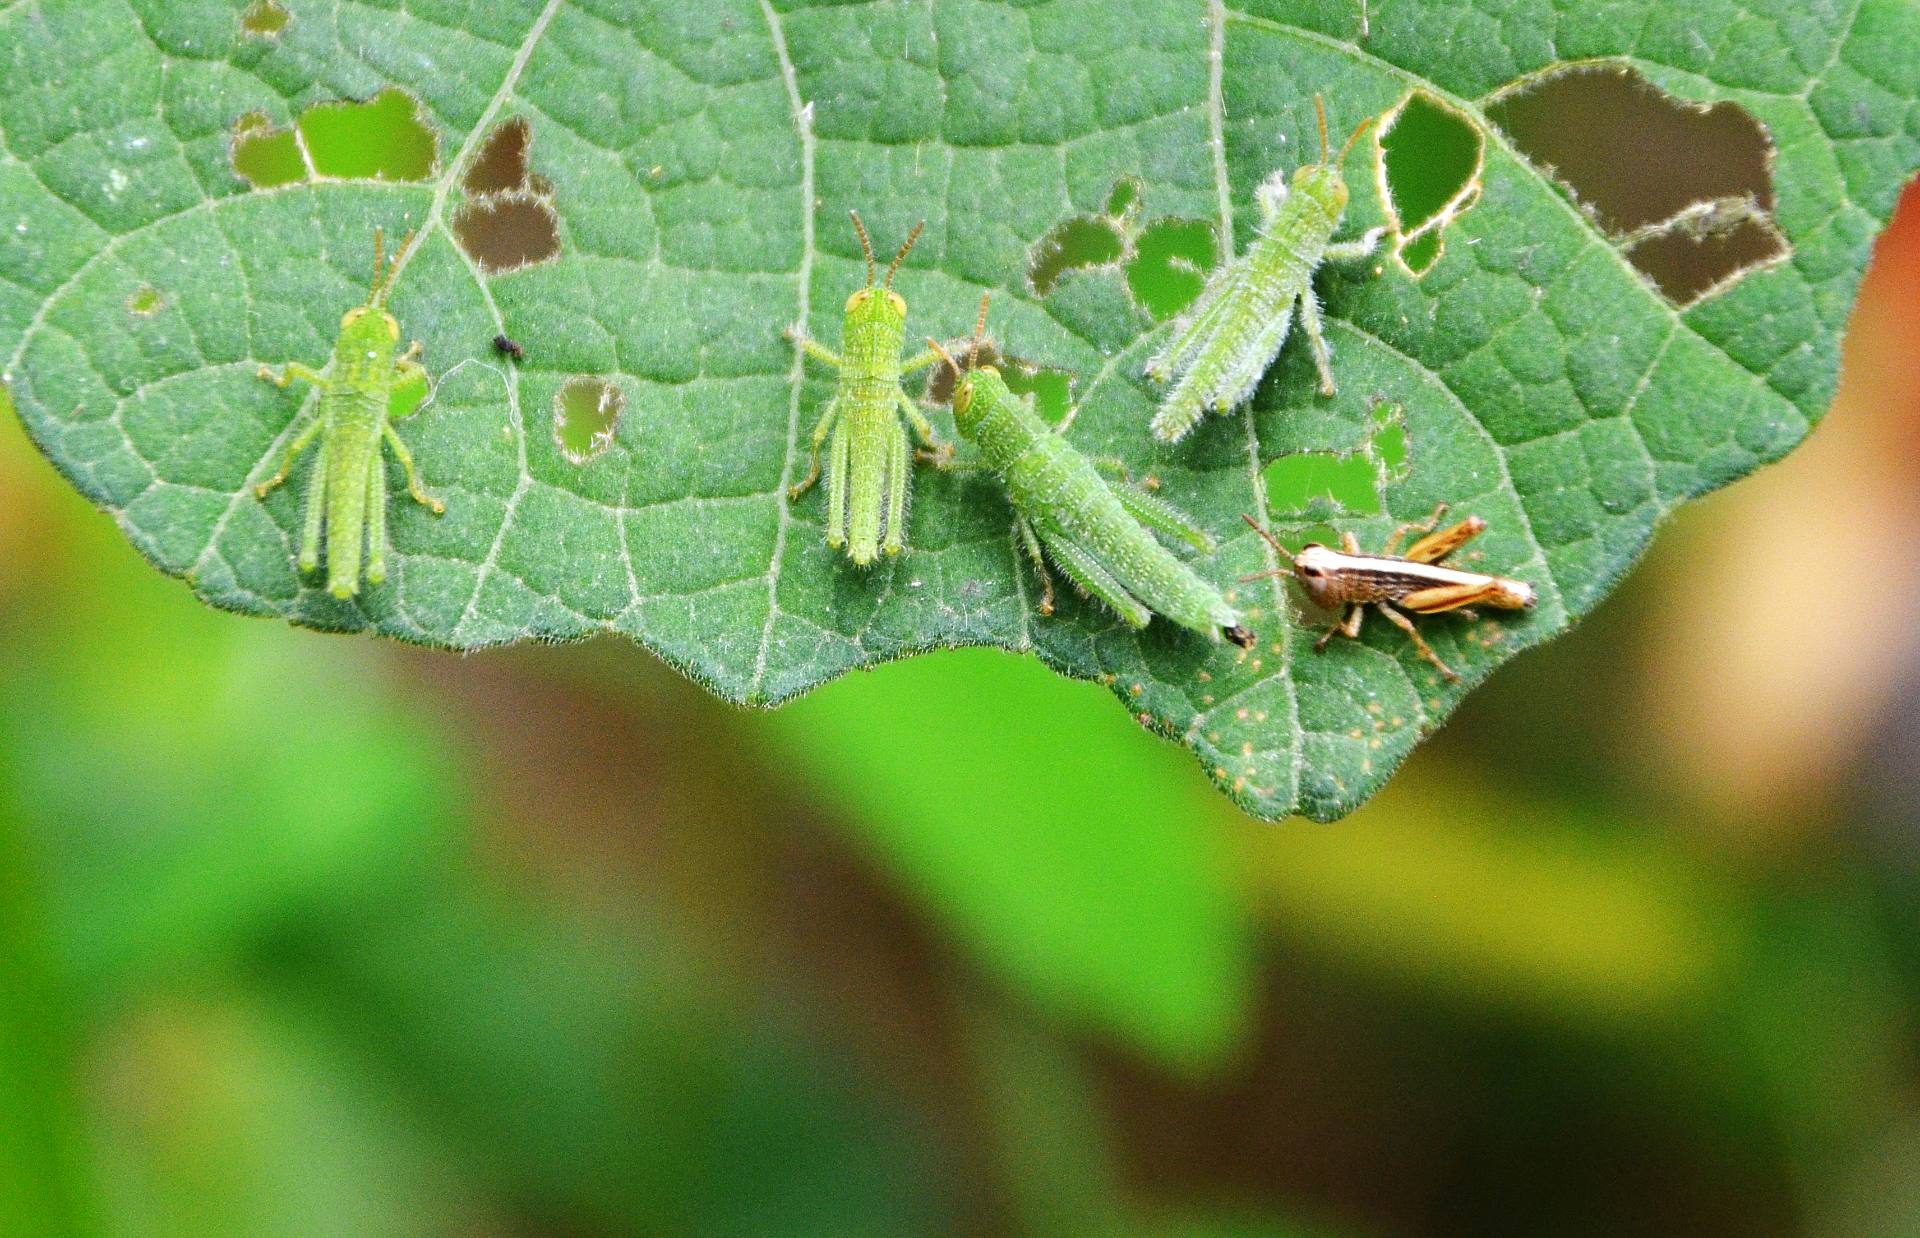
{"type": "Point", "coordinates": [1095, 532]}
{"type": "Point", "coordinates": [868, 468]}
{"type": "Point", "coordinates": [1222, 345]}
{"type": "Point", "coordinates": [1416, 581]}
{"type": "Point", "coordinates": [349, 487]}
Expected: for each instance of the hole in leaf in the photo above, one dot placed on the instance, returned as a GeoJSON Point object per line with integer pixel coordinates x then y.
{"type": "Point", "coordinates": [1686, 190]}
{"type": "Point", "coordinates": [381, 139]}
{"type": "Point", "coordinates": [1430, 163]}
{"type": "Point", "coordinates": [146, 301]}
{"type": "Point", "coordinates": [1322, 484]}
{"type": "Point", "coordinates": [385, 138]}
{"type": "Point", "coordinates": [1085, 242]}
{"type": "Point", "coordinates": [501, 164]}
{"type": "Point", "coordinates": [1051, 389]}
{"type": "Point", "coordinates": [263, 19]}
{"type": "Point", "coordinates": [1170, 265]}
{"type": "Point", "coordinates": [510, 222]}
{"type": "Point", "coordinates": [266, 156]}
{"type": "Point", "coordinates": [505, 232]}
{"type": "Point", "coordinates": [1075, 245]}
{"type": "Point", "coordinates": [586, 414]}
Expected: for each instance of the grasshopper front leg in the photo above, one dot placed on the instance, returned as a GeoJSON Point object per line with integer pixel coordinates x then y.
{"type": "Point", "coordinates": [298, 445]}
{"type": "Point", "coordinates": [1349, 627]}
{"type": "Point", "coordinates": [821, 429]}
{"type": "Point", "coordinates": [936, 452]}
{"type": "Point", "coordinates": [290, 371]}
{"type": "Point", "coordinates": [814, 349]}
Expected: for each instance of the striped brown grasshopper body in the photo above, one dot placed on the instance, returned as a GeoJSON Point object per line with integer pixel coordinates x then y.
{"type": "Point", "coordinates": [1416, 582]}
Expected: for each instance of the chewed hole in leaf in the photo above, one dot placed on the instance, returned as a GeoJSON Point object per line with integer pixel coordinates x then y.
{"type": "Point", "coordinates": [1051, 389]}
{"type": "Point", "coordinates": [1123, 198]}
{"type": "Point", "coordinates": [1430, 159]}
{"type": "Point", "coordinates": [510, 221]}
{"type": "Point", "coordinates": [264, 155]}
{"type": "Point", "coordinates": [1685, 190]}
{"type": "Point", "coordinates": [1319, 485]}
{"type": "Point", "coordinates": [263, 19]}
{"type": "Point", "coordinates": [504, 232]}
{"type": "Point", "coordinates": [1170, 265]}
{"type": "Point", "coordinates": [586, 416]}
{"type": "Point", "coordinates": [145, 301]}
{"type": "Point", "coordinates": [1076, 245]}
{"type": "Point", "coordinates": [385, 138]}
{"type": "Point", "coordinates": [1086, 242]}
{"type": "Point", "coordinates": [501, 165]}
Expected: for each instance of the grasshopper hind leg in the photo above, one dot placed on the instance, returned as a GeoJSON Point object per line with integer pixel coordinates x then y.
{"type": "Point", "coordinates": [1030, 543]}
{"type": "Point", "coordinates": [899, 477]}
{"type": "Point", "coordinates": [309, 559]}
{"type": "Point", "coordinates": [1085, 571]}
{"type": "Point", "coordinates": [1413, 633]}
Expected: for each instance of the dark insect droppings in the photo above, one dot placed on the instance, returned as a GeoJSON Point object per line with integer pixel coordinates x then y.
{"type": "Point", "coordinates": [512, 348]}
{"type": "Point", "coordinates": [1240, 636]}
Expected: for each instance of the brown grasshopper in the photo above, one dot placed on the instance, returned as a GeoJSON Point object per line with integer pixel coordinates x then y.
{"type": "Point", "coordinates": [1415, 581]}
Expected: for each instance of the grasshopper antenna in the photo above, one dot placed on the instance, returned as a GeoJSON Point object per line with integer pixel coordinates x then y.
{"type": "Point", "coordinates": [866, 246]}
{"type": "Point", "coordinates": [897, 258]}
{"type": "Point", "coordinates": [979, 331]}
{"type": "Point", "coordinates": [1357, 131]}
{"type": "Point", "coordinates": [1278, 549]}
{"type": "Point", "coordinates": [1320, 110]}
{"type": "Point", "coordinates": [384, 279]}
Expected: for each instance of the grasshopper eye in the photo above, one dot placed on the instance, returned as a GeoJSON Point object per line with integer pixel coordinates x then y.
{"type": "Point", "coordinates": [898, 302]}
{"type": "Point", "coordinates": [393, 328]}
{"type": "Point", "coordinates": [962, 397]}
{"type": "Point", "coordinates": [859, 299]}
{"type": "Point", "coordinates": [352, 316]}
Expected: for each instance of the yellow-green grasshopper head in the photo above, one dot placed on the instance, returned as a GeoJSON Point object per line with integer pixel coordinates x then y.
{"type": "Point", "coordinates": [1324, 181]}
{"type": "Point", "coordinates": [880, 306]}
{"type": "Point", "coordinates": [369, 335]}
{"type": "Point", "coordinates": [977, 389]}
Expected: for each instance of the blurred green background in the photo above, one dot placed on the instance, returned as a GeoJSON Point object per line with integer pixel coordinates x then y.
{"type": "Point", "coordinates": [307, 935]}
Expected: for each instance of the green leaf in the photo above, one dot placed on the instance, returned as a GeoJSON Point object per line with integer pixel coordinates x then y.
{"type": "Point", "coordinates": [701, 160]}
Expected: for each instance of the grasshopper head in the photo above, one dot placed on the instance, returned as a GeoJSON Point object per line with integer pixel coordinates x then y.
{"type": "Point", "coordinates": [350, 320]}
{"type": "Point", "coordinates": [1323, 183]}
{"type": "Point", "coordinates": [369, 329]}
{"type": "Point", "coordinates": [969, 412]}
{"type": "Point", "coordinates": [877, 302]}
{"type": "Point", "coordinates": [1314, 566]}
